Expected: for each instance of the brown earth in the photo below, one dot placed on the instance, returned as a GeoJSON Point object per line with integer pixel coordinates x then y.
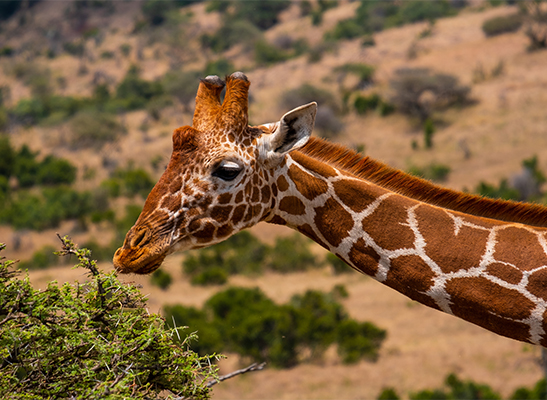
{"type": "Point", "coordinates": [506, 125]}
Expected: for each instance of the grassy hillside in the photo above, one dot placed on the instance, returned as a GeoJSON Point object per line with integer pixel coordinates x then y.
{"type": "Point", "coordinates": [85, 50]}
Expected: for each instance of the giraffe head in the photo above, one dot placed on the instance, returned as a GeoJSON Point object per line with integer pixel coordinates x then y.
{"type": "Point", "coordinates": [219, 179]}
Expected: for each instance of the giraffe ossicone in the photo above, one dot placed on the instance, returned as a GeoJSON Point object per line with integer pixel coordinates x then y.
{"type": "Point", "coordinates": [479, 259]}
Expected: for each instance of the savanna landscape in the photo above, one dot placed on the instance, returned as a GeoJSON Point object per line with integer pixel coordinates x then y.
{"type": "Point", "coordinates": [452, 91]}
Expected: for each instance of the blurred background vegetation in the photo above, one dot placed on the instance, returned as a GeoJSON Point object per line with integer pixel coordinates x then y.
{"type": "Point", "coordinates": [448, 90]}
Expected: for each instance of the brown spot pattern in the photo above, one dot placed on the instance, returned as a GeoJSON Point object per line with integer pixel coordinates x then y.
{"type": "Point", "coordinates": [504, 272]}
{"type": "Point", "coordinates": [477, 300]}
{"type": "Point", "coordinates": [355, 195]}
{"type": "Point", "coordinates": [450, 251]}
{"type": "Point", "coordinates": [172, 202]}
{"type": "Point", "coordinates": [333, 221]}
{"type": "Point", "coordinates": [238, 214]}
{"type": "Point", "coordinates": [537, 283]}
{"type": "Point", "coordinates": [411, 276]}
{"type": "Point", "coordinates": [390, 213]}
{"type": "Point", "coordinates": [221, 213]}
{"type": "Point", "coordinates": [224, 198]}
{"type": "Point", "coordinates": [520, 247]}
{"type": "Point", "coordinates": [292, 205]}
{"type": "Point", "coordinates": [364, 257]}
{"type": "Point", "coordinates": [309, 186]}
{"type": "Point", "coordinates": [282, 183]}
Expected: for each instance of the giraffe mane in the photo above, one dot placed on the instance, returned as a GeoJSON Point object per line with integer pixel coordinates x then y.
{"type": "Point", "coordinates": [407, 185]}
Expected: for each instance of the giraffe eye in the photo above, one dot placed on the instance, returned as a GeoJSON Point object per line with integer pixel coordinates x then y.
{"type": "Point", "coordinates": [227, 171]}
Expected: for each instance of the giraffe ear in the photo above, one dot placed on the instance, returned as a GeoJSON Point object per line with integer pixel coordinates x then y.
{"type": "Point", "coordinates": [293, 131]}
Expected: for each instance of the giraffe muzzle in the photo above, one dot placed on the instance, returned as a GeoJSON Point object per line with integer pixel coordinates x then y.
{"type": "Point", "coordinates": [139, 253]}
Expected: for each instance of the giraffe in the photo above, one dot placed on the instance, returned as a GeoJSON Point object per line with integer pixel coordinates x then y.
{"type": "Point", "coordinates": [481, 260]}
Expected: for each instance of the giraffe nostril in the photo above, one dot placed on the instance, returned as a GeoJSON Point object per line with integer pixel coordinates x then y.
{"type": "Point", "coordinates": [140, 237]}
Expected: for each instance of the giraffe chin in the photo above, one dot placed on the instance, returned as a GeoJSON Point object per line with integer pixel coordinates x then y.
{"type": "Point", "coordinates": [129, 261]}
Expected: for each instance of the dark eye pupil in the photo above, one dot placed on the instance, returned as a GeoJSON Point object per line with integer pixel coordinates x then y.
{"type": "Point", "coordinates": [227, 174]}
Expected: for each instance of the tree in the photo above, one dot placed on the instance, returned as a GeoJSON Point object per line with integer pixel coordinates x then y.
{"type": "Point", "coordinates": [418, 91]}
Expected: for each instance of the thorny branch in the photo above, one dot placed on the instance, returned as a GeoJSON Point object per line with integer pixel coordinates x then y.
{"type": "Point", "coordinates": [84, 256]}
{"type": "Point", "coordinates": [250, 368]}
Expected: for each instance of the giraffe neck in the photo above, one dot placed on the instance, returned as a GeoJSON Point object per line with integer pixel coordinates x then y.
{"type": "Point", "coordinates": [489, 272]}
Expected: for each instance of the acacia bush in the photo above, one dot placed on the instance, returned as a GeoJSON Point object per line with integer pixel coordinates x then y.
{"type": "Point", "coordinates": [161, 279]}
{"type": "Point", "coordinates": [247, 322]}
{"type": "Point", "coordinates": [94, 129]}
{"type": "Point", "coordinates": [46, 209]}
{"type": "Point", "coordinates": [231, 33]}
{"type": "Point", "coordinates": [240, 254]}
{"type": "Point", "coordinates": [93, 340]}
{"type": "Point", "coordinates": [262, 14]}
{"type": "Point", "coordinates": [503, 24]}
{"type": "Point", "coordinates": [130, 181]}
{"type": "Point", "coordinates": [418, 92]}
{"type": "Point", "coordinates": [454, 389]}
{"type": "Point", "coordinates": [376, 15]}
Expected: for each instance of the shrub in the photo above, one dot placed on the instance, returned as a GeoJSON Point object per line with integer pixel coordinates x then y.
{"type": "Point", "coordinates": [504, 24]}
{"type": "Point", "coordinates": [358, 340]}
{"type": "Point", "coordinates": [161, 279]}
{"type": "Point", "coordinates": [364, 72]}
{"type": "Point", "coordinates": [7, 157]}
{"type": "Point", "coordinates": [292, 254]}
{"type": "Point", "coordinates": [411, 87]}
{"type": "Point", "coordinates": [429, 130]}
{"type": "Point", "coordinates": [241, 253]}
{"type": "Point", "coordinates": [263, 15]}
{"type": "Point", "coordinates": [457, 389]}
{"type": "Point", "coordinates": [346, 29]}
{"type": "Point", "coordinates": [417, 10]}
{"type": "Point", "coordinates": [94, 129]}
{"type": "Point", "coordinates": [538, 391]}
{"type": "Point", "coordinates": [135, 92]}
{"type": "Point", "coordinates": [156, 11]}
{"type": "Point", "coordinates": [45, 210]}
{"type": "Point", "coordinates": [231, 33]}
{"type": "Point", "coordinates": [76, 48]}
{"type": "Point", "coordinates": [306, 94]}
{"type": "Point", "coordinates": [182, 85]}
{"type": "Point", "coordinates": [55, 171]}
{"type": "Point", "coordinates": [390, 394]}
{"type": "Point", "coordinates": [363, 104]}
{"type": "Point", "coordinates": [181, 318]}
{"type": "Point", "coordinates": [254, 326]}
{"type": "Point", "coordinates": [245, 321]}
{"type": "Point", "coordinates": [266, 53]}
{"type": "Point", "coordinates": [221, 67]}
{"type": "Point", "coordinates": [503, 191]}
{"type": "Point", "coordinates": [125, 49]}
{"type": "Point", "coordinates": [210, 276]}
{"type": "Point", "coordinates": [319, 318]}
{"type": "Point", "coordinates": [6, 51]}
{"type": "Point", "coordinates": [134, 181]}
{"type": "Point", "coordinates": [92, 340]}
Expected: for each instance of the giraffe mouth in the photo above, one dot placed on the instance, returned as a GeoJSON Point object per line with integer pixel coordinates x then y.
{"type": "Point", "coordinates": [141, 252]}
{"type": "Point", "coordinates": [129, 261]}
